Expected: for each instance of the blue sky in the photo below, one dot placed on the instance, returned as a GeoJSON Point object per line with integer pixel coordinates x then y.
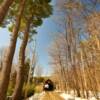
{"type": "Point", "coordinates": [44, 38]}
{"type": "Point", "coordinates": [46, 33]}
{"type": "Point", "coordinates": [4, 37]}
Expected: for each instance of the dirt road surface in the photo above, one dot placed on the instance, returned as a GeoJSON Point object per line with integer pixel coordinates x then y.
{"type": "Point", "coordinates": [51, 96]}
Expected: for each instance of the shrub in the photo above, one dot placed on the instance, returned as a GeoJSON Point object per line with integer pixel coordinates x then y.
{"type": "Point", "coordinates": [30, 90]}
{"type": "Point", "coordinates": [10, 89]}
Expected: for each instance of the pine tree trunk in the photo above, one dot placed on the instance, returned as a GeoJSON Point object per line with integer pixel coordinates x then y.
{"type": "Point", "coordinates": [17, 95]}
{"type": "Point", "coordinates": [4, 9]}
{"type": "Point", "coordinates": [10, 54]}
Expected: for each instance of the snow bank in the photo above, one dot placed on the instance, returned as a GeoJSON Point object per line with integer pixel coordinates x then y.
{"type": "Point", "coordinates": [66, 96]}
{"type": "Point", "coordinates": [92, 98]}
{"type": "Point", "coordinates": [31, 98]}
{"type": "Point", "coordinates": [70, 97]}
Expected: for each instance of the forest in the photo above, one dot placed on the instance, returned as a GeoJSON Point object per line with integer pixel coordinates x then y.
{"type": "Point", "coordinates": [74, 50]}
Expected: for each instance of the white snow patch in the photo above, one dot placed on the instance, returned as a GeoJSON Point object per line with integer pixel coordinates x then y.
{"type": "Point", "coordinates": [70, 97]}
{"type": "Point", "coordinates": [66, 96]}
{"type": "Point", "coordinates": [92, 98]}
{"type": "Point", "coordinates": [31, 98]}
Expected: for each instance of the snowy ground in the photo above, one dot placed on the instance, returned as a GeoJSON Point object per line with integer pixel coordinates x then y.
{"type": "Point", "coordinates": [70, 97]}
{"type": "Point", "coordinates": [65, 96]}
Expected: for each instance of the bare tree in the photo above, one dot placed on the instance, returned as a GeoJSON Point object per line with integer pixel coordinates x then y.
{"type": "Point", "coordinates": [38, 71]}
{"type": "Point", "coordinates": [78, 54]}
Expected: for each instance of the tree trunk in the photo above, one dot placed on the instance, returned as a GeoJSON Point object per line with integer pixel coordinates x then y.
{"type": "Point", "coordinates": [78, 92]}
{"type": "Point", "coordinates": [4, 9]}
{"type": "Point", "coordinates": [17, 95]}
{"type": "Point", "coordinates": [10, 54]}
{"type": "Point", "coordinates": [32, 68]}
